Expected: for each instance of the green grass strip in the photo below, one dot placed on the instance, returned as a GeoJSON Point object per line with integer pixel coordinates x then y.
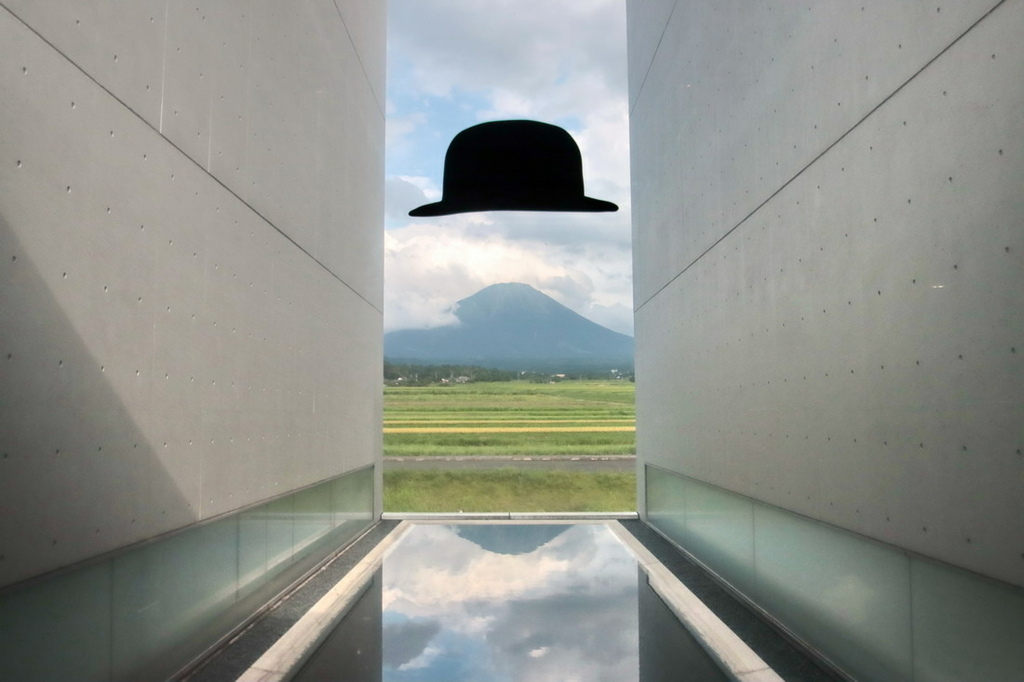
{"type": "Point", "coordinates": [556, 443]}
{"type": "Point", "coordinates": [545, 450]}
{"type": "Point", "coordinates": [507, 490]}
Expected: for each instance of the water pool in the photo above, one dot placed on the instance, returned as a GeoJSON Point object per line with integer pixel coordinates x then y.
{"type": "Point", "coordinates": [525, 601]}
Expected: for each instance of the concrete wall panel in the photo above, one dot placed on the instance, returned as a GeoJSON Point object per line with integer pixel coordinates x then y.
{"type": "Point", "coordinates": [645, 30]}
{"type": "Point", "coordinates": [366, 22]}
{"type": "Point", "coordinates": [193, 51]}
{"type": "Point", "coordinates": [118, 44]}
{"type": "Point", "coordinates": [274, 99]}
{"type": "Point", "coordinates": [852, 350]}
{"type": "Point", "coordinates": [742, 97]}
{"type": "Point", "coordinates": [174, 347]}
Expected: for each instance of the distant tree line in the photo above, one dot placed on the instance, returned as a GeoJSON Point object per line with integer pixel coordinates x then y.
{"type": "Point", "coordinates": [409, 374]}
{"type": "Point", "coordinates": [424, 375]}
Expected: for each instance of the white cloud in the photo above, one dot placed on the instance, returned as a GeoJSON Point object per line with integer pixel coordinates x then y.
{"type": "Point", "coordinates": [400, 194]}
{"type": "Point", "coordinates": [430, 267]}
{"type": "Point", "coordinates": [423, 184]}
{"type": "Point", "coordinates": [522, 45]}
{"type": "Point", "coordinates": [401, 126]}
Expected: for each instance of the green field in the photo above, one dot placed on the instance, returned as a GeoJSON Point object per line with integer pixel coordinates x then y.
{"type": "Point", "coordinates": [505, 490]}
{"type": "Point", "coordinates": [510, 418]}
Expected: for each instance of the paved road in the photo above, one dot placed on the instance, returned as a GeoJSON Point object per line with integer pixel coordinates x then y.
{"type": "Point", "coordinates": [554, 463]}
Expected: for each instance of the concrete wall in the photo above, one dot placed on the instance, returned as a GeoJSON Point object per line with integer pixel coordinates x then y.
{"type": "Point", "coordinates": [190, 263]}
{"type": "Point", "coordinates": [829, 270]}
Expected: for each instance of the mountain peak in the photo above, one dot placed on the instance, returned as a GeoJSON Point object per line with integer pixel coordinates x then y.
{"type": "Point", "coordinates": [511, 298]}
{"type": "Point", "coordinates": [513, 326]}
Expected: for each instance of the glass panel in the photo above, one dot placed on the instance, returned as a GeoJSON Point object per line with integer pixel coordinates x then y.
{"type": "Point", "coordinates": [352, 497]}
{"type": "Point", "coordinates": [280, 519]}
{"type": "Point", "coordinates": [849, 596]}
{"type": "Point", "coordinates": [168, 593]}
{"type": "Point", "coordinates": [966, 627]}
{"type": "Point", "coordinates": [313, 518]}
{"type": "Point", "coordinates": [252, 551]}
{"type": "Point", "coordinates": [666, 503]}
{"type": "Point", "coordinates": [716, 526]}
{"type": "Point", "coordinates": [58, 630]}
{"type": "Point", "coordinates": [720, 531]}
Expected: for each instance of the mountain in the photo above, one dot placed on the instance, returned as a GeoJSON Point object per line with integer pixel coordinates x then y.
{"type": "Point", "coordinates": [514, 326]}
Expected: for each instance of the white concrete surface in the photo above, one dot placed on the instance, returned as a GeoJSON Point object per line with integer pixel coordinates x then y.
{"type": "Point", "coordinates": [829, 266]}
{"type": "Point", "coordinates": [829, 274]}
{"type": "Point", "coordinates": [190, 258]}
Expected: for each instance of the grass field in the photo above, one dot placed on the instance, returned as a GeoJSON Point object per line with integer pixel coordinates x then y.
{"type": "Point", "coordinates": [510, 418]}
{"type": "Point", "coordinates": [505, 490]}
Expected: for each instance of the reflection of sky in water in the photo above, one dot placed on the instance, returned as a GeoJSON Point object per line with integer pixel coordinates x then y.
{"type": "Point", "coordinates": [541, 603]}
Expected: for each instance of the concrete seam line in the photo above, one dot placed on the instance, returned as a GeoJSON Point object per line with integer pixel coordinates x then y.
{"type": "Point", "coordinates": [282, 660]}
{"type": "Point", "coordinates": [736, 659]}
{"type": "Point", "coordinates": [650, 65]}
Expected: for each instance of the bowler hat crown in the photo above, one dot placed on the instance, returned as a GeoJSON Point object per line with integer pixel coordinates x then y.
{"type": "Point", "coordinates": [513, 166]}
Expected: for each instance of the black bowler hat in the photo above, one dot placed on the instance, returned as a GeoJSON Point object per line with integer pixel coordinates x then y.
{"type": "Point", "coordinates": [513, 166]}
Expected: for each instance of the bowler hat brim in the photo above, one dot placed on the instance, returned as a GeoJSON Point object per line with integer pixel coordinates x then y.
{"type": "Point", "coordinates": [572, 204]}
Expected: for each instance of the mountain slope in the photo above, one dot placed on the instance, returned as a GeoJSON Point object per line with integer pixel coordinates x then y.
{"type": "Point", "coordinates": [513, 326]}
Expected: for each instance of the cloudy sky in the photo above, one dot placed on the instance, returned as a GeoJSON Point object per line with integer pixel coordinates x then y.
{"type": "Point", "coordinates": [456, 63]}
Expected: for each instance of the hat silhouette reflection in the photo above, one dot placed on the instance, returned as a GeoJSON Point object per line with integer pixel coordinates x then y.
{"type": "Point", "coordinates": [513, 166]}
{"type": "Point", "coordinates": [513, 539]}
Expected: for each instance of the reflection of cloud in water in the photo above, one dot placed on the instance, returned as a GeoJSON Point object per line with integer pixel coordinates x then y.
{"type": "Point", "coordinates": [406, 641]}
{"type": "Point", "coordinates": [566, 610]}
{"type": "Point", "coordinates": [418, 577]}
{"type": "Point", "coordinates": [450, 657]}
{"type": "Point", "coordinates": [424, 660]}
{"type": "Point", "coordinates": [575, 636]}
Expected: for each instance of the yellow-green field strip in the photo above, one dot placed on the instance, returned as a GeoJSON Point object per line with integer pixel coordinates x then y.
{"type": "Point", "coordinates": [507, 413]}
{"type": "Point", "coordinates": [510, 419]}
{"type": "Point", "coordinates": [506, 429]}
{"type": "Point", "coordinates": [420, 422]}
